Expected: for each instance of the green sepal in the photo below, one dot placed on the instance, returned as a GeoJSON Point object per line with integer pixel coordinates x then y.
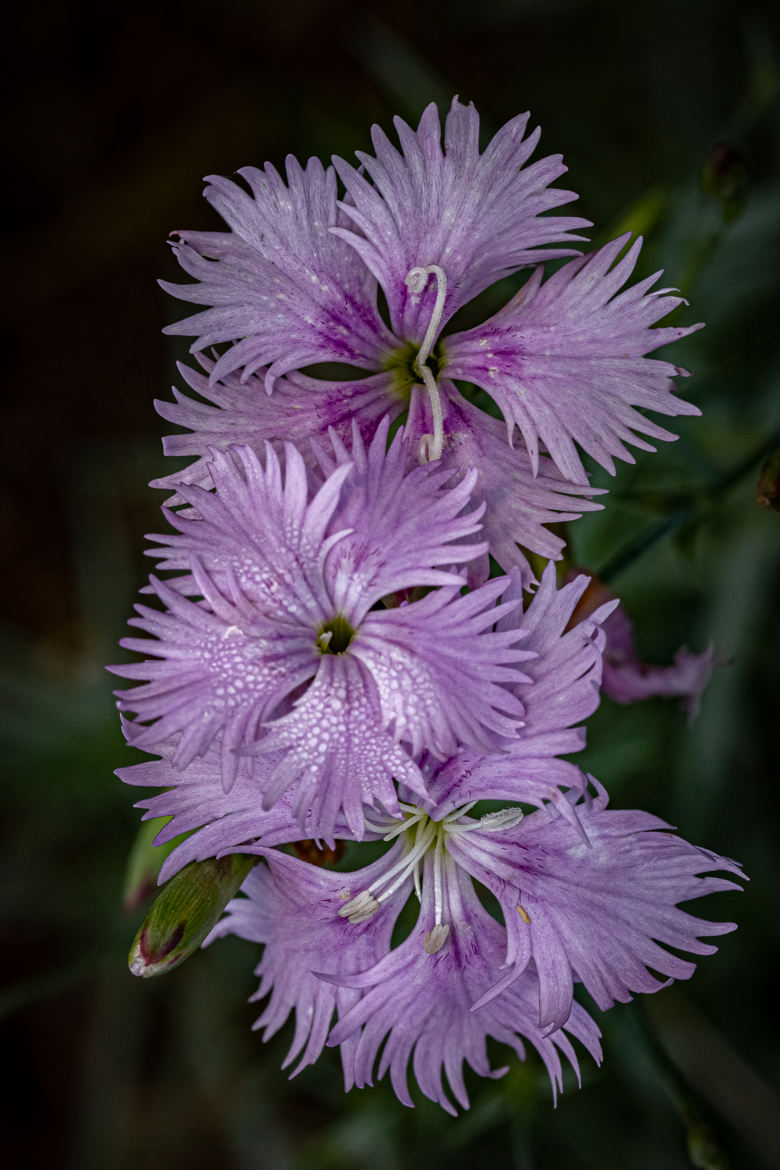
{"type": "Point", "coordinates": [184, 912]}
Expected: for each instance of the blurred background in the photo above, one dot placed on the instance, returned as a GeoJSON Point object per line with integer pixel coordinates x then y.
{"type": "Point", "coordinates": [115, 115]}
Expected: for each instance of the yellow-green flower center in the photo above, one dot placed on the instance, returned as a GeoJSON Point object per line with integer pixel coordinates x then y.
{"type": "Point", "coordinates": [335, 636]}
{"type": "Point", "coordinates": [402, 364]}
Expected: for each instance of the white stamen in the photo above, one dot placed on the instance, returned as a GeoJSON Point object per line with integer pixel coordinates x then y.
{"type": "Point", "coordinates": [365, 904]}
{"type": "Point", "coordinates": [431, 446]}
{"type": "Point", "coordinates": [373, 827]}
{"type": "Point", "coordinates": [437, 895]}
{"type": "Point", "coordinates": [436, 938]}
{"type": "Point", "coordinates": [418, 883]}
{"type": "Point", "coordinates": [406, 823]}
{"type": "Point", "coordinates": [424, 834]}
{"type": "Point", "coordinates": [324, 639]}
{"type": "Point", "coordinates": [505, 818]}
{"type": "Point", "coordinates": [360, 908]}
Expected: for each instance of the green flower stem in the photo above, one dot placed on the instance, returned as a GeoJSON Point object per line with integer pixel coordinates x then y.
{"type": "Point", "coordinates": [698, 506]}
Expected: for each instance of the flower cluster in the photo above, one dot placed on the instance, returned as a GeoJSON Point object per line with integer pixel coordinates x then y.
{"type": "Point", "coordinates": [348, 643]}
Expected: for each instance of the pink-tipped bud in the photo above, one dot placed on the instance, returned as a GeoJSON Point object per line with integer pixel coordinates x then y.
{"type": "Point", "coordinates": [185, 911]}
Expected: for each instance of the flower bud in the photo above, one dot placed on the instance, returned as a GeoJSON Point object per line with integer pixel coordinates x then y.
{"type": "Point", "coordinates": [145, 862]}
{"type": "Point", "coordinates": [768, 486]}
{"type": "Point", "coordinates": [724, 176]}
{"type": "Point", "coordinates": [186, 909]}
{"type": "Point", "coordinates": [704, 1150]}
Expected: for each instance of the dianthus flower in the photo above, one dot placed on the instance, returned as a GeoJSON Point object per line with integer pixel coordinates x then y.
{"type": "Point", "coordinates": [283, 650]}
{"type": "Point", "coordinates": [330, 658]}
{"type": "Point", "coordinates": [595, 902]}
{"type": "Point", "coordinates": [519, 502]}
{"type": "Point", "coordinates": [557, 689]}
{"type": "Point", "coordinates": [583, 893]}
{"type": "Point", "coordinates": [294, 282]}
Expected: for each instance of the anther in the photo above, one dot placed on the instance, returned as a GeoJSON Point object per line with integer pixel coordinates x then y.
{"type": "Point", "coordinates": [360, 908]}
{"type": "Point", "coordinates": [431, 446]}
{"type": "Point", "coordinates": [505, 818]}
{"type": "Point", "coordinates": [436, 938]}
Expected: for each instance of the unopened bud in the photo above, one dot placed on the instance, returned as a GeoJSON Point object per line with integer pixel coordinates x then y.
{"type": "Point", "coordinates": [435, 939]}
{"type": "Point", "coordinates": [724, 176]}
{"type": "Point", "coordinates": [186, 909]}
{"type": "Point", "coordinates": [704, 1150]}
{"type": "Point", "coordinates": [145, 862]}
{"type": "Point", "coordinates": [768, 486]}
